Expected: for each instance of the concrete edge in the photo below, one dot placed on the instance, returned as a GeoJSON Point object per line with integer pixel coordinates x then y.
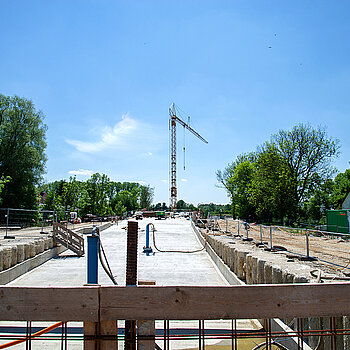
{"type": "Point", "coordinates": [230, 277]}
{"type": "Point", "coordinates": [25, 266]}
{"type": "Point", "coordinates": [276, 324]}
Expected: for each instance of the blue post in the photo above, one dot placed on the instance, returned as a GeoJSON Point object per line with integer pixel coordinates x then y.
{"type": "Point", "coordinates": [92, 266]}
{"type": "Point", "coordinates": [147, 236]}
{"type": "Point", "coordinates": [147, 249]}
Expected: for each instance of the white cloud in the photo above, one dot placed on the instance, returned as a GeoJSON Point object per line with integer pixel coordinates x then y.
{"type": "Point", "coordinates": [184, 180]}
{"type": "Point", "coordinates": [110, 137]}
{"type": "Point", "coordinates": [165, 181]}
{"type": "Point", "coordinates": [81, 172]}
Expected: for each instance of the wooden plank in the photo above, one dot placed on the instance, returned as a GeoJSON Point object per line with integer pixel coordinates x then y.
{"type": "Point", "coordinates": [109, 334]}
{"type": "Point", "coordinates": [228, 302]}
{"type": "Point", "coordinates": [90, 335]}
{"type": "Point", "coordinates": [146, 329]}
{"type": "Point", "coordinates": [155, 302]}
{"type": "Point", "coordinates": [49, 303]}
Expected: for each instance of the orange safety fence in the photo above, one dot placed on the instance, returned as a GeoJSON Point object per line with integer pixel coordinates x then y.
{"type": "Point", "coordinates": [37, 334]}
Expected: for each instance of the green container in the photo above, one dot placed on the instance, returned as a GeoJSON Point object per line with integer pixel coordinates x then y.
{"type": "Point", "coordinates": [338, 220]}
{"type": "Point", "coordinates": [160, 214]}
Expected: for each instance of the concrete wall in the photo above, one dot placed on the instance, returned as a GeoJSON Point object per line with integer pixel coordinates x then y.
{"type": "Point", "coordinates": [252, 265]}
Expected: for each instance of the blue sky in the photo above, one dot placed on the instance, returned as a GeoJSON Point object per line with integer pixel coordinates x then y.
{"type": "Point", "coordinates": [105, 72]}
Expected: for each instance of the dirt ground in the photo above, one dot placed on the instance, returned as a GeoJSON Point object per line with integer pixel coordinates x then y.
{"type": "Point", "coordinates": [332, 249]}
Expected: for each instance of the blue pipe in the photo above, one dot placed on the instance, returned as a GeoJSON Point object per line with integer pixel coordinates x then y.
{"type": "Point", "coordinates": [147, 249]}
{"type": "Point", "coordinates": [147, 236]}
{"type": "Point", "coordinates": [92, 265]}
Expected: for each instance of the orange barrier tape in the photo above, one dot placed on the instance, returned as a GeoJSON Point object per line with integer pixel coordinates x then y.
{"type": "Point", "coordinates": [37, 334]}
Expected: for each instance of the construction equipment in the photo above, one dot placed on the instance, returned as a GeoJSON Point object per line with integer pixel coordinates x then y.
{"type": "Point", "coordinates": [172, 128]}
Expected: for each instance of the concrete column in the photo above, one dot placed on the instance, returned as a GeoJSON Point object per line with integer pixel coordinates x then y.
{"type": "Point", "coordinates": [37, 247]}
{"type": "Point", "coordinates": [32, 250]}
{"type": "Point", "coordinates": [50, 239]}
{"type": "Point", "coordinates": [231, 258]}
{"type": "Point", "coordinates": [268, 273]}
{"type": "Point", "coordinates": [276, 275]}
{"type": "Point", "coordinates": [46, 243]}
{"type": "Point", "coordinates": [20, 253]}
{"type": "Point", "coordinates": [261, 271]}
{"type": "Point", "coordinates": [7, 257]}
{"type": "Point", "coordinates": [1, 260]}
{"type": "Point", "coordinates": [249, 269]}
{"type": "Point", "coordinates": [26, 251]}
{"type": "Point", "coordinates": [241, 268]}
{"type": "Point", "coordinates": [254, 270]}
{"type": "Point", "coordinates": [14, 256]}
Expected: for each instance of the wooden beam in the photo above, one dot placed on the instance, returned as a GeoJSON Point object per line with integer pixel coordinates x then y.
{"type": "Point", "coordinates": [49, 303]}
{"type": "Point", "coordinates": [173, 303]}
{"type": "Point", "coordinates": [228, 302]}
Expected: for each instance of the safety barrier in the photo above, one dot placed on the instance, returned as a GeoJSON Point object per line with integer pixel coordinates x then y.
{"type": "Point", "coordinates": [100, 306]}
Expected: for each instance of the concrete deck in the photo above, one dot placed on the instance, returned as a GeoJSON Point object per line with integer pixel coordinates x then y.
{"type": "Point", "coordinates": [166, 268]}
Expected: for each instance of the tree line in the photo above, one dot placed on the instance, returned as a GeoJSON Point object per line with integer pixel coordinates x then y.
{"type": "Point", "coordinates": [98, 196]}
{"type": "Point", "coordinates": [287, 179]}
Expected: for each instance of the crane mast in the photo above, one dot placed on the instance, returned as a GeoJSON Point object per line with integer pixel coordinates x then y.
{"type": "Point", "coordinates": [172, 128]}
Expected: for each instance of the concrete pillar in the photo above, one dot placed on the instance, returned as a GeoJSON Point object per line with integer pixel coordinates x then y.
{"type": "Point", "coordinates": [261, 271]}
{"type": "Point", "coordinates": [1, 260]}
{"type": "Point", "coordinates": [7, 252]}
{"type": "Point", "coordinates": [268, 273]}
{"type": "Point", "coordinates": [41, 245]}
{"type": "Point", "coordinates": [14, 256]}
{"type": "Point", "coordinates": [20, 252]}
{"type": "Point", "coordinates": [241, 268]}
{"type": "Point", "coordinates": [225, 252]}
{"type": "Point", "coordinates": [32, 250]}
{"type": "Point", "coordinates": [36, 245]}
{"type": "Point", "coordinates": [235, 260]}
{"type": "Point", "coordinates": [230, 257]}
{"type": "Point", "coordinates": [26, 251]}
{"type": "Point", "coordinates": [50, 239]}
{"type": "Point", "coordinates": [46, 243]}
{"type": "Point", "coordinates": [276, 275]}
{"type": "Point", "coordinates": [249, 269]}
{"type": "Point", "coordinates": [254, 270]}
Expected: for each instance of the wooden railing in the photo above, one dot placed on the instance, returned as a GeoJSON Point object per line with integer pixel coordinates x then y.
{"type": "Point", "coordinates": [68, 238]}
{"type": "Point", "coordinates": [100, 306]}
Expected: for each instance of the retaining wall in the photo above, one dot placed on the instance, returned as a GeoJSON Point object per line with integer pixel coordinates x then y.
{"type": "Point", "coordinates": [253, 265]}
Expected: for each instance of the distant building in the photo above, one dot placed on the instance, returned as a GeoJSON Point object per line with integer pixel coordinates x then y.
{"type": "Point", "coordinates": [346, 203]}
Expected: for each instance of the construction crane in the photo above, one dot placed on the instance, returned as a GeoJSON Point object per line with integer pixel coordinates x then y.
{"type": "Point", "coordinates": [172, 128]}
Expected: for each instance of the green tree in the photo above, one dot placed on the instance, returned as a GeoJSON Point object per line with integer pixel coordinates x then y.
{"type": "Point", "coordinates": [146, 197]}
{"type": "Point", "coordinates": [341, 188]}
{"type": "Point", "coordinates": [309, 154]}
{"type": "Point", "coordinates": [97, 188]}
{"type": "Point", "coordinates": [315, 208]}
{"type": "Point", "coordinates": [22, 151]}
{"type": "Point", "coordinates": [272, 187]}
{"type": "Point", "coordinates": [3, 181]}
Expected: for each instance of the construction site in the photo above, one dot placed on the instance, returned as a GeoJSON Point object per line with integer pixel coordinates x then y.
{"type": "Point", "coordinates": [168, 281]}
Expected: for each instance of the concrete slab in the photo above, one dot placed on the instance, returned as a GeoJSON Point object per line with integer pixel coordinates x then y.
{"type": "Point", "coordinates": [166, 268]}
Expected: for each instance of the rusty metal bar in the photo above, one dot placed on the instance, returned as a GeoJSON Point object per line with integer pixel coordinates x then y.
{"type": "Point", "coordinates": [131, 280]}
